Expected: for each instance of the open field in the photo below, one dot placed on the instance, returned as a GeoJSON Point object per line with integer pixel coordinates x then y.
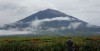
{"type": "Point", "coordinates": [49, 43]}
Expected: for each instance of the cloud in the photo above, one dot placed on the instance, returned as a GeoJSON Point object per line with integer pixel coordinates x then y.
{"type": "Point", "coordinates": [35, 25]}
{"type": "Point", "coordinates": [90, 25]}
{"type": "Point", "coordinates": [12, 32]}
{"type": "Point", "coordinates": [74, 25]}
{"type": "Point", "coordinates": [37, 22]}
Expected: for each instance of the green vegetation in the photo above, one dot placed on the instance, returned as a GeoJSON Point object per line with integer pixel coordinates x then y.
{"type": "Point", "coordinates": [49, 43]}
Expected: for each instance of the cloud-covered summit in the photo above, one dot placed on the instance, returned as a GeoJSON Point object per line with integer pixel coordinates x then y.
{"type": "Point", "coordinates": [50, 20]}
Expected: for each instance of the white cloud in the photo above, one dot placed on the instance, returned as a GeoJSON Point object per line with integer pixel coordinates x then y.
{"type": "Point", "coordinates": [74, 25]}
{"type": "Point", "coordinates": [90, 25]}
{"type": "Point", "coordinates": [12, 32]}
{"type": "Point", "coordinates": [37, 23]}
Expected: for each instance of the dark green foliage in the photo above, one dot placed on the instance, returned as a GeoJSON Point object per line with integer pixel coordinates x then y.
{"type": "Point", "coordinates": [49, 44]}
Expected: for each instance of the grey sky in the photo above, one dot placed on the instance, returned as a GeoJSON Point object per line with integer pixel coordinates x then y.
{"type": "Point", "coordinates": [13, 10]}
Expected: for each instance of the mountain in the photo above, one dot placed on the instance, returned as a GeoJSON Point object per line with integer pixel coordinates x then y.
{"type": "Point", "coordinates": [52, 21]}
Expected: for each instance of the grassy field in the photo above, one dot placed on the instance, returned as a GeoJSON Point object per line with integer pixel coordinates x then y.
{"type": "Point", "coordinates": [49, 43]}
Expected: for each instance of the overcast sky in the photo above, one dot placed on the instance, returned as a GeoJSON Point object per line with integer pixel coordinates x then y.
{"type": "Point", "coordinates": [14, 10]}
